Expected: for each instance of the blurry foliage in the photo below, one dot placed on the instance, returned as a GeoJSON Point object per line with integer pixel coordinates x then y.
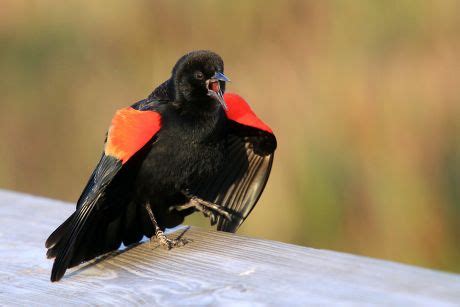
{"type": "Point", "coordinates": [363, 96]}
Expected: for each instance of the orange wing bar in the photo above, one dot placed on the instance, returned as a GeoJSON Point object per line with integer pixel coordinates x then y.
{"type": "Point", "coordinates": [240, 112]}
{"type": "Point", "coordinates": [130, 130]}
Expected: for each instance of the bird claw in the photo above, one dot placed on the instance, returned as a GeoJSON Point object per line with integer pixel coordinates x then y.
{"type": "Point", "coordinates": [208, 209]}
{"type": "Point", "coordinates": [160, 235]}
{"type": "Point", "coordinates": [170, 243]}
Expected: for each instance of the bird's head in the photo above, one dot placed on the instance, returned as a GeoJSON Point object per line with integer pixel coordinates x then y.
{"type": "Point", "coordinates": [199, 80]}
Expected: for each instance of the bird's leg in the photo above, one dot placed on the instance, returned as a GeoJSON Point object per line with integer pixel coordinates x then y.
{"type": "Point", "coordinates": [208, 207]}
{"type": "Point", "coordinates": [204, 206]}
{"type": "Point", "coordinates": [160, 235]}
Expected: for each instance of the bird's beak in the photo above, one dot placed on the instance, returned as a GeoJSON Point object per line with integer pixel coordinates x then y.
{"type": "Point", "coordinates": [214, 89]}
{"type": "Point", "coordinates": [221, 77]}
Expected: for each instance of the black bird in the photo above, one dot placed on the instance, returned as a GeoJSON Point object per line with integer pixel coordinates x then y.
{"type": "Point", "coordinates": [185, 148]}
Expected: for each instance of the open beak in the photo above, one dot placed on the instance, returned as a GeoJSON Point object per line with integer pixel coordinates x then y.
{"type": "Point", "coordinates": [214, 90]}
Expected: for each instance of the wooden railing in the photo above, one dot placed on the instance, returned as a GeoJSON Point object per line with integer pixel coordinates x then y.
{"type": "Point", "coordinates": [216, 268]}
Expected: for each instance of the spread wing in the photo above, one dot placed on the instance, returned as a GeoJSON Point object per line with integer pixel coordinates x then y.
{"type": "Point", "coordinates": [77, 240]}
{"type": "Point", "coordinates": [238, 186]}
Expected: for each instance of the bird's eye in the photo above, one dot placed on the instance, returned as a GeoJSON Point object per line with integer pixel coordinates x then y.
{"type": "Point", "coordinates": [199, 75]}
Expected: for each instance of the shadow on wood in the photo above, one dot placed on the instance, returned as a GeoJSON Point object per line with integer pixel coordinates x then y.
{"type": "Point", "coordinates": [181, 232]}
{"type": "Point", "coordinates": [215, 268]}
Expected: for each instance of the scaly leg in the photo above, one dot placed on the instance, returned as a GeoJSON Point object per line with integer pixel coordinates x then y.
{"type": "Point", "coordinates": [160, 235]}
{"type": "Point", "coordinates": [204, 206]}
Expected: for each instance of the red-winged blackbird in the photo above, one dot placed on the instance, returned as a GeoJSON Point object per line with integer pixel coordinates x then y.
{"type": "Point", "coordinates": [185, 148]}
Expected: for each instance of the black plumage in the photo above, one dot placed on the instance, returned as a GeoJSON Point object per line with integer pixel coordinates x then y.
{"type": "Point", "coordinates": [198, 153]}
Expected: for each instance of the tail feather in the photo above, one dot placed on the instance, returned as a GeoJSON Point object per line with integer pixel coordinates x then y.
{"type": "Point", "coordinates": [57, 235]}
{"type": "Point", "coordinates": [65, 250]}
{"type": "Point", "coordinates": [91, 232]}
{"type": "Point", "coordinates": [132, 232]}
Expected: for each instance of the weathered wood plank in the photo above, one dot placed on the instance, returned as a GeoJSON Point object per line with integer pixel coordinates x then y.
{"type": "Point", "coordinates": [216, 268]}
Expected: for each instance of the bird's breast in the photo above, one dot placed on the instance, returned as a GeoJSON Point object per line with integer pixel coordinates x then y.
{"type": "Point", "coordinates": [185, 153]}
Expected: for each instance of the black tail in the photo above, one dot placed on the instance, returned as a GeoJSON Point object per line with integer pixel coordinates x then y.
{"type": "Point", "coordinates": [92, 231]}
{"type": "Point", "coordinates": [62, 242]}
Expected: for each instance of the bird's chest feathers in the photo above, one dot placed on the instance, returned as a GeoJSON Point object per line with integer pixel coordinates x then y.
{"type": "Point", "coordinates": [195, 146]}
{"type": "Point", "coordinates": [203, 140]}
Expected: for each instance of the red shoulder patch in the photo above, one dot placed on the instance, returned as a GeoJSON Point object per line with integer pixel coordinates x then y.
{"type": "Point", "coordinates": [240, 112]}
{"type": "Point", "coordinates": [130, 130]}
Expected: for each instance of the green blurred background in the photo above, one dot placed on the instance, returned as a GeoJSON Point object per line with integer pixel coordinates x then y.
{"type": "Point", "coordinates": [363, 97]}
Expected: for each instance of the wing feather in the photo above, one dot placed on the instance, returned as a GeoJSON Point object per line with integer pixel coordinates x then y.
{"type": "Point", "coordinates": [250, 153]}
{"type": "Point", "coordinates": [247, 192]}
{"type": "Point", "coordinates": [237, 186]}
{"type": "Point", "coordinates": [96, 225]}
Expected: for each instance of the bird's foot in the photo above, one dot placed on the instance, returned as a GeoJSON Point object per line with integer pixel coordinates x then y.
{"type": "Point", "coordinates": [169, 243]}
{"type": "Point", "coordinates": [160, 235]}
{"type": "Point", "coordinates": [208, 209]}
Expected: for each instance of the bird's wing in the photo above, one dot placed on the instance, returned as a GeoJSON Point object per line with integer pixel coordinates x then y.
{"type": "Point", "coordinates": [238, 186]}
{"type": "Point", "coordinates": [130, 131]}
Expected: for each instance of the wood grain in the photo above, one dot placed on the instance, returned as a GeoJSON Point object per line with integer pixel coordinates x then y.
{"type": "Point", "coordinates": [215, 269]}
